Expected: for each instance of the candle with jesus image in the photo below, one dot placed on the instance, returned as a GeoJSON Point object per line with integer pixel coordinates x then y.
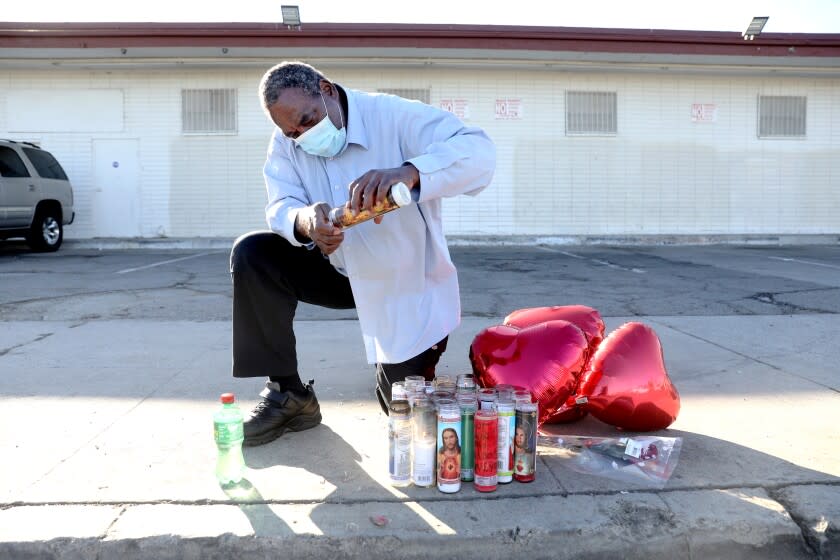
{"type": "Point", "coordinates": [525, 442]}
{"type": "Point", "coordinates": [449, 446]}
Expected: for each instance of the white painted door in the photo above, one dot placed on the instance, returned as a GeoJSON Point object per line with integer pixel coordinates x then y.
{"type": "Point", "coordinates": [116, 180]}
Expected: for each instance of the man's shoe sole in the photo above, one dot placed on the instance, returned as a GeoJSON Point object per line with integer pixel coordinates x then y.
{"type": "Point", "coordinates": [296, 424]}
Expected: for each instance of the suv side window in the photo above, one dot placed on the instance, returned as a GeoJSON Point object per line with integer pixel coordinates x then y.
{"type": "Point", "coordinates": [10, 163]}
{"type": "Point", "coordinates": [45, 164]}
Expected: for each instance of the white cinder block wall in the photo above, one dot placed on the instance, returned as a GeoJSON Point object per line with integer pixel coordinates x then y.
{"type": "Point", "coordinates": [661, 174]}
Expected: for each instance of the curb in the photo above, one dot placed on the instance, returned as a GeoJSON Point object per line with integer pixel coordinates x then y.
{"type": "Point", "coordinates": [736, 523]}
{"type": "Point", "coordinates": [488, 240]}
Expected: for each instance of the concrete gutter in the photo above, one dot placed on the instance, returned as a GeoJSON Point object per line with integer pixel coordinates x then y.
{"type": "Point", "coordinates": [684, 524]}
{"type": "Point", "coordinates": [488, 240]}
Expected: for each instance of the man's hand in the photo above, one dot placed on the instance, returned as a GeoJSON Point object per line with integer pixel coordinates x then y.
{"type": "Point", "coordinates": [313, 223]}
{"type": "Point", "coordinates": [372, 187]}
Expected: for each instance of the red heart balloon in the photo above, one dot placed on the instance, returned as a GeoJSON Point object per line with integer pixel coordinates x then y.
{"type": "Point", "coordinates": [569, 411]}
{"type": "Point", "coordinates": [546, 359]}
{"type": "Point", "coordinates": [626, 384]}
{"type": "Point", "coordinates": [586, 319]}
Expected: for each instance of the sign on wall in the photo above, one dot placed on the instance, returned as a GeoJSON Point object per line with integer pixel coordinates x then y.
{"type": "Point", "coordinates": [508, 109]}
{"type": "Point", "coordinates": [458, 107]}
{"type": "Point", "coordinates": [703, 112]}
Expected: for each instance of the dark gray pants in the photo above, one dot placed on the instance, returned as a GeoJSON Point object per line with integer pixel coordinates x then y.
{"type": "Point", "coordinates": [270, 276]}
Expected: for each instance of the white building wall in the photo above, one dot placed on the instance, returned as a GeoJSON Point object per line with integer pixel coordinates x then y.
{"type": "Point", "coordinates": [660, 174]}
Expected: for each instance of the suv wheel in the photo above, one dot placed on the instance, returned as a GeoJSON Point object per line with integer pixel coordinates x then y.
{"type": "Point", "coordinates": [46, 232]}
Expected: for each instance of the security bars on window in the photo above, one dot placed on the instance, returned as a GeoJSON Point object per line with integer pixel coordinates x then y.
{"type": "Point", "coordinates": [208, 111]}
{"type": "Point", "coordinates": [418, 94]}
{"type": "Point", "coordinates": [782, 116]}
{"type": "Point", "coordinates": [591, 112]}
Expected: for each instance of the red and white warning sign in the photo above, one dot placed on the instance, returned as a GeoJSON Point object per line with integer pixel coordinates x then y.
{"type": "Point", "coordinates": [508, 109]}
{"type": "Point", "coordinates": [458, 107]}
{"type": "Point", "coordinates": [703, 112]}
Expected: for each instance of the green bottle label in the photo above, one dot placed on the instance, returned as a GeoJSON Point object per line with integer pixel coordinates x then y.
{"type": "Point", "coordinates": [227, 433]}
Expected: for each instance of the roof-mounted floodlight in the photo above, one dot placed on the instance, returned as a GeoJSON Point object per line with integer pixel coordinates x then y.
{"type": "Point", "coordinates": [755, 27]}
{"type": "Point", "coordinates": [291, 16]}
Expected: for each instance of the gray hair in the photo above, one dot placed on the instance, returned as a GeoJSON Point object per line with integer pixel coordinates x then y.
{"type": "Point", "coordinates": [289, 75]}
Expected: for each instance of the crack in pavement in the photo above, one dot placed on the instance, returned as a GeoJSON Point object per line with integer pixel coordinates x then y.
{"type": "Point", "coordinates": [113, 522]}
{"type": "Point", "coordinates": [39, 338]}
{"type": "Point", "coordinates": [811, 541]}
{"type": "Point", "coordinates": [770, 298]}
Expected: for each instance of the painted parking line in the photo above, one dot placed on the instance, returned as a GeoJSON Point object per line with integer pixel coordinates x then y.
{"type": "Point", "coordinates": [568, 254]}
{"type": "Point", "coordinates": [787, 259]}
{"type": "Point", "coordinates": [597, 261]}
{"type": "Point", "coordinates": [161, 263]}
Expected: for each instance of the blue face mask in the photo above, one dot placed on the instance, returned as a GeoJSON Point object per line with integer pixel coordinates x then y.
{"type": "Point", "coordinates": [323, 139]}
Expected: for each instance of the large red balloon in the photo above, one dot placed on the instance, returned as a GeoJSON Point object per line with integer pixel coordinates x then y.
{"type": "Point", "coordinates": [626, 384]}
{"type": "Point", "coordinates": [586, 319]}
{"type": "Point", "coordinates": [568, 411]}
{"type": "Point", "coordinates": [546, 359]}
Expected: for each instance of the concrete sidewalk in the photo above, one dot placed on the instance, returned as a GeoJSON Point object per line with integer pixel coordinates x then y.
{"type": "Point", "coordinates": [107, 439]}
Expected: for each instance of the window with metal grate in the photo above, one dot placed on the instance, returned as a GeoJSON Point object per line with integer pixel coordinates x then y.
{"type": "Point", "coordinates": [416, 94]}
{"type": "Point", "coordinates": [591, 112]}
{"type": "Point", "coordinates": [208, 111]}
{"type": "Point", "coordinates": [782, 116]}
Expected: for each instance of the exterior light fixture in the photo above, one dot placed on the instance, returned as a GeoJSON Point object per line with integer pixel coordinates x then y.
{"type": "Point", "coordinates": [755, 27]}
{"type": "Point", "coordinates": [291, 16]}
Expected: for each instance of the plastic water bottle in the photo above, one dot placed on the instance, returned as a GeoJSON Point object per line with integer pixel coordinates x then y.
{"type": "Point", "coordinates": [229, 433]}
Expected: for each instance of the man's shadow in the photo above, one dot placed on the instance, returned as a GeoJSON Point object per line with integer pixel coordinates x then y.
{"type": "Point", "coordinates": [315, 466]}
{"type": "Point", "coordinates": [705, 463]}
{"type": "Point", "coordinates": [322, 458]}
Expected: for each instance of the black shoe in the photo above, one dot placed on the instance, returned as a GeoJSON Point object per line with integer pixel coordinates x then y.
{"type": "Point", "coordinates": [281, 412]}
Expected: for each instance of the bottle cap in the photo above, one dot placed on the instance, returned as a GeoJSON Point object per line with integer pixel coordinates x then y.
{"type": "Point", "coordinates": [333, 216]}
{"type": "Point", "coordinates": [401, 194]}
{"type": "Point", "coordinates": [227, 398]}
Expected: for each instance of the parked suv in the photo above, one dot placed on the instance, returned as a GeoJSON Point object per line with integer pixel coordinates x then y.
{"type": "Point", "coordinates": [36, 198]}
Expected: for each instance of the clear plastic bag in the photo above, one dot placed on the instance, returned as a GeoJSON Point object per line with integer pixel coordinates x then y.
{"type": "Point", "coordinates": [644, 460]}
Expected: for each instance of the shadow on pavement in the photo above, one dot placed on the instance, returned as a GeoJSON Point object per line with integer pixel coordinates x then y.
{"type": "Point", "coordinates": [322, 467]}
{"type": "Point", "coordinates": [260, 515]}
{"type": "Point", "coordinates": [13, 248]}
{"type": "Point", "coordinates": [704, 462]}
{"type": "Point", "coordinates": [750, 480]}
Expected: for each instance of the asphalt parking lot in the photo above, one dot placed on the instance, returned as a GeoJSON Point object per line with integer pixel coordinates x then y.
{"type": "Point", "coordinates": [85, 284]}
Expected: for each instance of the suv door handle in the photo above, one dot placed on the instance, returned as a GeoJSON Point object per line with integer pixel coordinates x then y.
{"type": "Point", "coordinates": [31, 187]}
